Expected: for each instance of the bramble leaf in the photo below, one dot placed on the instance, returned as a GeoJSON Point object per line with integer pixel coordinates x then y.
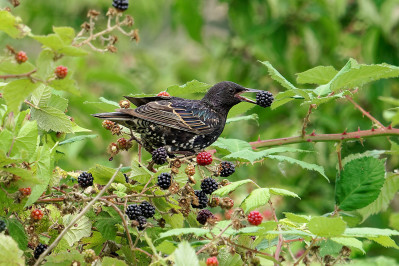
{"type": "Point", "coordinates": [223, 191]}
{"type": "Point", "coordinates": [327, 227]}
{"type": "Point", "coordinates": [257, 198]}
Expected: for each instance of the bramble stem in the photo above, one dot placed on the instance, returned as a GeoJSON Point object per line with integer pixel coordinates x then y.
{"type": "Point", "coordinates": [345, 136]}
{"type": "Point", "coordinates": [12, 76]}
{"type": "Point", "coordinates": [306, 119]}
{"type": "Point", "coordinates": [364, 112]}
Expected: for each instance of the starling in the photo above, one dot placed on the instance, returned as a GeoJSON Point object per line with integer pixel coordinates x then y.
{"type": "Point", "coordinates": [181, 126]}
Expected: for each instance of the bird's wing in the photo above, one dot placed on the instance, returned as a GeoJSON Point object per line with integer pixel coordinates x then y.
{"type": "Point", "coordinates": [175, 116]}
{"type": "Point", "coordinates": [139, 101]}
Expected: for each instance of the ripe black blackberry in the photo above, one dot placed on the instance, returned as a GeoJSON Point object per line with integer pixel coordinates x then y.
{"type": "Point", "coordinates": [147, 209]}
{"type": "Point", "coordinates": [164, 180]}
{"type": "Point", "coordinates": [202, 199]}
{"type": "Point", "coordinates": [133, 211]}
{"type": "Point", "coordinates": [142, 222]}
{"type": "Point", "coordinates": [39, 250]}
{"type": "Point", "coordinates": [226, 169]}
{"type": "Point", "coordinates": [2, 226]}
{"type": "Point", "coordinates": [85, 180]}
{"type": "Point", "coordinates": [120, 4]}
{"type": "Point", "coordinates": [159, 156]}
{"type": "Point", "coordinates": [204, 215]}
{"type": "Point", "coordinates": [264, 98]}
{"type": "Point", "coordinates": [208, 185]}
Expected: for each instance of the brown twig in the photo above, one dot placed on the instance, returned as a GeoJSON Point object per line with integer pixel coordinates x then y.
{"type": "Point", "coordinates": [306, 252]}
{"type": "Point", "coordinates": [77, 217]}
{"type": "Point", "coordinates": [364, 112]}
{"type": "Point", "coordinates": [345, 136]}
{"type": "Point", "coordinates": [13, 76]}
{"type": "Point", "coordinates": [214, 239]}
{"type": "Point", "coordinates": [306, 119]}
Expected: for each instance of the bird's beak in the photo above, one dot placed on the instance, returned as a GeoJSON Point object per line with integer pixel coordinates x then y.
{"type": "Point", "coordinates": [242, 98]}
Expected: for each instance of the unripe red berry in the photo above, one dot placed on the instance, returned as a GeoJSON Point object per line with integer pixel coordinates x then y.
{"type": "Point", "coordinates": [124, 104]}
{"type": "Point", "coordinates": [212, 261]}
{"type": "Point", "coordinates": [21, 57]}
{"type": "Point", "coordinates": [163, 93]}
{"type": "Point", "coordinates": [255, 218]}
{"type": "Point", "coordinates": [61, 72]}
{"type": "Point", "coordinates": [25, 191]}
{"type": "Point", "coordinates": [113, 149]}
{"type": "Point", "coordinates": [36, 214]}
{"type": "Point", "coordinates": [107, 124]}
{"type": "Point", "coordinates": [124, 144]}
{"type": "Point", "coordinates": [204, 158]}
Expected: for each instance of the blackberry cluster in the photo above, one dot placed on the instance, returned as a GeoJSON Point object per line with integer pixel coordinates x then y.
{"type": "Point", "coordinates": [226, 169]}
{"type": "Point", "coordinates": [85, 180]}
{"type": "Point", "coordinates": [133, 211]}
{"type": "Point", "coordinates": [204, 215]}
{"type": "Point", "coordinates": [202, 199]}
{"type": "Point", "coordinates": [120, 4]}
{"type": "Point", "coordinates": [264, 99]}
{"type": "Point", "coordinates": [142, 222]}
{"type": "Point", "coordinates": [39, 250]}
{"type": "Point", "coordinates": [159, 155]}
{"type": "Point", "coordinates": [208, 185]}
{"type": "Point", "coordinates": [147, 209]}
{"type": "Point", "coordinates": [2, 226]}
{"type": "Point", "coordinates": [164, 180]}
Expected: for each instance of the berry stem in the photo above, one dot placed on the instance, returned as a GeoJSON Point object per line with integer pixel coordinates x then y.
{"type": "Point", "coordinates": [13, 76]}
{"type": "Point", "coordinates": [364, 112]}
{"type": "Point", "coordinates": [337, 137]}
{"type": "Point", "coordinates": [214, 239]}
{"type": "Point", "coordinates": [80, 215]}
{"type": "Point", "coordinates": [306, 119]}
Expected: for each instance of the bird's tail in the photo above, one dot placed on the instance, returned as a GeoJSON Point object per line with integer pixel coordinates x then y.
{"type": "Point", "coordinates": [114, 116]}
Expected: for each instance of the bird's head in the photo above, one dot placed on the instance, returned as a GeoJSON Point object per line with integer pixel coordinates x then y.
{"type": "Point", "coordinates": [226, 94]}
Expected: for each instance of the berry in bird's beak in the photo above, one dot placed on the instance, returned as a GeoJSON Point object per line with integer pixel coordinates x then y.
{"type": "Point", "coordinates": [244, 99]}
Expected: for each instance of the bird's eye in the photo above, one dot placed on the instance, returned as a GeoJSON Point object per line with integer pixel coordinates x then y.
{"type": "Point", "coordinates": [231, 90]}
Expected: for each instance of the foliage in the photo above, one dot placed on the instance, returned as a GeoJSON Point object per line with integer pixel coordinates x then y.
{"type": "Point", "coordinates": [44, 129]}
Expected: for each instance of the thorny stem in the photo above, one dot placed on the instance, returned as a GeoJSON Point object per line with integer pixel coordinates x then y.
{"type": "Point", "coordinates": [337, 137]}
{"type": "Point", "coordinates": [77, 217]}
{"type": "Point", "coordinates": [338, 149]}
{"type": "Point", "coordinates": [11, 76]}
{"type": "Point", "coordinates": [306, 119]}
{"type": "Point", "coordinates": [247, 248]}
{"type": "Point", "coordinates": [306, 252]}
{"type": "Point", "coordinates": [214, 239]}
{"type": "Point", "coordinates": [364, 112]}
{"type": "Point", "coordinates": [280, 237]}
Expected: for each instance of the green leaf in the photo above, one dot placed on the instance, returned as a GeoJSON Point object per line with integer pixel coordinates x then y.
{"type": "Point", "coordinates": [297, 218]}
{"type": "Point", "coordinates": [67, 34]}
{"type": "Point", "coordinates": [232, 145]}
{"type": "Point", "coordinates": [41, 95]}
{"type": "Point", "coordinates": [369, 232]}
{"type": "Point", "coordinates": [17, 91]}
{"type": "Point", "coordinates": [103, 174]}
{"type": "Point", "coordinates": [139, 173]}
{"type": "Point", "coordinates": [52, 41]}
{"type": "Point", "coordinates": [317, 75]}
{"type": "Point", "coordinates": [10, 66]}
{"type": "Point", "coordinates": [388, 192]}
{"type": "Point", "coordinates": [394, 221]}
{"type": "Point", "coordinates": [17, 232]}
{"type": "Point", "coordinates": [305, 165]}
{"type": "Point", "coordinates": [257, 198]}
{"type": "Point", "coordinates": [64, 258]}
{"type": "Point", "coordinates": [254, 117]}
{"type": "Point", "coordinates": [327, 227]}
{"type": "Point", "coordinates": [223, 191]}
{"type": "Point", "coordinates": [190, 88]}
{"type": "Point", "coordinates": [58, 102]}
{"type": "Point", "coordinates": [349, 242]}
{"type": "Point", "coordinates": [77, 138]}
{"type": "Point", "coordinates": [283, 192]}
{"type": "Point", "coordinates": [278, 77]}
{"type": "Point", "coordinates": [166, 247]}
{"type": "Point", "coordinates": [189, 13]}
{"type": "Point", "coordinates": [185, 255]}
{"type": "Point", "coordinates": [26, 141]}
{"type": "Point", "coordinates": [113, 262]}
{"type": "Point", "coordinates": [72, 51]}
{"type": "Point", "coordinates": [12, 25]}
{"type": "Point", "coordinates": [50, 118]}
{"type": "Point", "coordinates": [184, 231]}
{"type": "Point", "coordinates": [385, 241]}
{"type": "Point", "coordinates": [45, 64]}
{"type": "Point", "coordinates": [175, 221]}
{"type": "Point", "coordinates": [65, 84]}
{"type": "Point", "coordinates": [106, 225]}
{"type": "Point", "coordinates": [82, 228]}
{"type": "Point", "coordinates": [360, 183]}
{"type": "Point", "coordinates": [10, 254]}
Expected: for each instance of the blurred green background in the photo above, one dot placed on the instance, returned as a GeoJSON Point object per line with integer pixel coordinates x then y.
{"type": "Point", "coordinates": [212, 41]}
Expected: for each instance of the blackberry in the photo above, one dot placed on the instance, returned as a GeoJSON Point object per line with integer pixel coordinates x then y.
{"type": "Point", "coordinates": [226, 169]}
{"type": "Point", "coordinates": [39, 250]}
{"type": "Point", "coordinates": [85, 180]}
{"type": "Point", "coordinates": [147, 209]}
{"type": "Point", "coordinates": [142, 222]}
{"type": "Point", "coordinates": [204, 215]}
{"type": "Point", "coordinates": [264, 99]}
{"type": "Point", "coordinates": [120, 4]}
{"type": "Point", "coordinates": [164, 180]}
{"type": "Point", "coordinates": [133, 211]}
{"type": "Point", "coordinates": [159, 155]}
{"type": "Point", "coordinates": [2, 226]}
{"type": "Point", "coordinates": [202, 199]}
{"type": "Point", "coordinates": [208, 185]}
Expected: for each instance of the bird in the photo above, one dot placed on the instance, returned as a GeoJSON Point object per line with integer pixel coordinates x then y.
{"type": "Point", "coordinates": [181, 126]}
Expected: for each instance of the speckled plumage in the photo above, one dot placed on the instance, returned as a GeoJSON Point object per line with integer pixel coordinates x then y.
{"type": "Point", "coordinates": [180, 125]}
